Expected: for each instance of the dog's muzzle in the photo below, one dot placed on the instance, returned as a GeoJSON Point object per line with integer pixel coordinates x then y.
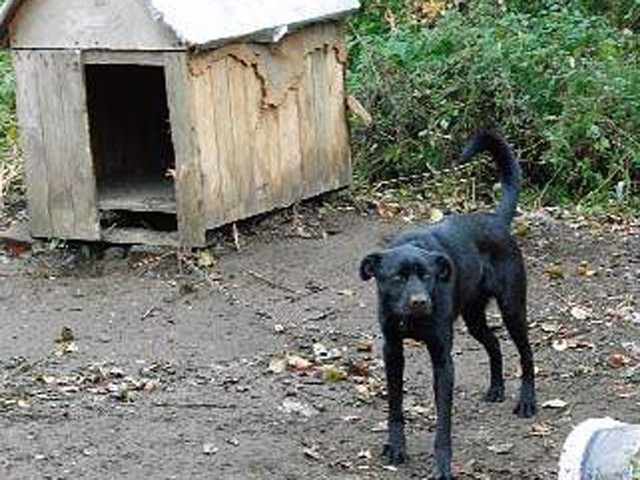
{"type": "Point", "coordinates": [419, 304]}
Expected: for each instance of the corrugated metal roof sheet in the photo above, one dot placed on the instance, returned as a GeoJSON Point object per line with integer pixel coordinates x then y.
{"type": "Point", "coordinates": [203, 22]}
{"type": "Point", "coordinates": [199, 22]}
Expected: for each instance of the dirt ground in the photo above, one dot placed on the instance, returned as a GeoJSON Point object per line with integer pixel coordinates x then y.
{"type": "Point", "coordinates": [264, 363]}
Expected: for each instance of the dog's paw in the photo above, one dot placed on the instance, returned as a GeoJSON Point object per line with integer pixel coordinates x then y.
{"type": "Point", "coordinates": [394, 454]}
{"type": "Point", "coordinates": [525, 408]}
{"type": "Point", "coordinates": [495, 394]}
{"type": "Point", "coordinates": [439, 474]}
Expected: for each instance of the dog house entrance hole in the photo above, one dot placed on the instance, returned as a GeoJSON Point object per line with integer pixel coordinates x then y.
{"type": "Point", "coordinates": [131, 145]}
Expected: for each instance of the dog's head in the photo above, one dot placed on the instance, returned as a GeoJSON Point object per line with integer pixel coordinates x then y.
{"type": "Point", "coordinates": [409, 279]}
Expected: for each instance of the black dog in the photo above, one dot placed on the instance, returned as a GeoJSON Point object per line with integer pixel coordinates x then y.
{"type": "Point", "coordinates": [429, 277]}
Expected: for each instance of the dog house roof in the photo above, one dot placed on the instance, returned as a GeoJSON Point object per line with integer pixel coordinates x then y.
{"type": "Point", "coordinates": [208, 22]}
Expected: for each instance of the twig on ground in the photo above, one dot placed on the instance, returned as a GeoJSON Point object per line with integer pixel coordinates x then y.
{"type": "Point", "coordinates": [236, 237]}
{"type": "Point", "coordinates": [270, 282]}
{"type": "Point", "coordinates": [195, 405]}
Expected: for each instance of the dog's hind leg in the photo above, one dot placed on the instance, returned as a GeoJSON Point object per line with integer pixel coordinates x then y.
{"type": "Point", "coordinates": [475, 318]}
{"type": "Point", "coordinates": [513, 306]}
{"type": "Point", "coordinates": [395, 450]}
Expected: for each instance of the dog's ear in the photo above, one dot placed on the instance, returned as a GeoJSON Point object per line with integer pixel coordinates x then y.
{"type": "Point", "coordinates": [369, 266]}
{"type": "Point", "coordinates": [444, 268]}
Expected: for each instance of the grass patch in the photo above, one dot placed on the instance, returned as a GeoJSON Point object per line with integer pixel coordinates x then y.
{"type": "Point", "coordinates": [10, 165]}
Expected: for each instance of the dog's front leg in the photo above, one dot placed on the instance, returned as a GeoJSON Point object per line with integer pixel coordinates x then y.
{"type": "Point", "coordinates": [395, 450]}
{"type": "Point", "coordinates": [443, 373]}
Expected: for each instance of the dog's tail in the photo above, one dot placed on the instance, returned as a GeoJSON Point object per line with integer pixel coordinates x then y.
{"type": "Point", "coordinates": [510, 173]}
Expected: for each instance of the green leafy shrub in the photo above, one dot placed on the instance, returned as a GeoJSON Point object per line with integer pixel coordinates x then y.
{"type": "Point", "coordinates": [563, 84]}
{"type": "Point", "coordinates": [8, 129]}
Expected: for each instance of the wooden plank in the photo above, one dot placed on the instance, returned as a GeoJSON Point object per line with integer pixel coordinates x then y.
{"type": "Point", "coordinates": [259, 160]}
{"type": "Point", "coordinates": [56, 135]}
{"type": "Point", "coordinates": [80, 24]}
{"type": "Point", "coordinates": [289, 163]}
{"type": "Point", "coordinates": [106, 57]}
{"type": "Point", "coordinates": [61, 151]}
{"type": "Point", "coordinates": [33, 145]}
{"type": "Point", "coordinates": [267, 147]}
{"type": "Point", "coordinates": [138, 196]}
{"type": "Point", "coordinates": [207, 138]}
{"type": "Point", "coordinates": [241, 160]}
{"type": "Point", "coordinates": [308, 137]}
{"type": "Point", "coordinates": [223, 130]}
{"type": "Point", "coordinates": [340, 152]}
{"type": "Point", "coordinates": [72, 197]}
{"type": "Point", "coordinates": [140, 236]}
{"type": "Point", "coordinates": [322, 119]}
{"type": "Point", "coordinates": [189, 177]}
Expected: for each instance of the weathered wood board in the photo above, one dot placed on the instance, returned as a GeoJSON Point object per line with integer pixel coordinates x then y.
{"type": "Point", "coordinates": [82, 24]}
{"type": "Point", "coordinates": [189, 175]}
{"type": "Point", "coordinates": [270, 123]}
{"type": "Point", "coordinates": [55, 137]}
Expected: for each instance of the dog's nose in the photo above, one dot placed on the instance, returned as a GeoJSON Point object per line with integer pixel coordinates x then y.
{"type": "Point", "coordinates": [417, 302]}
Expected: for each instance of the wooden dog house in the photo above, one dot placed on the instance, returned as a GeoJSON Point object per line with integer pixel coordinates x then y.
{"type": "Point", "coordinates": [195, 112]}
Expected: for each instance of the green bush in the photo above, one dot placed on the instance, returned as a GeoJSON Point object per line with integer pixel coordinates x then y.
{"type": "Point", "coordinates": [563, 84]}
{"type": "Point", "coordinates": [8, 129]}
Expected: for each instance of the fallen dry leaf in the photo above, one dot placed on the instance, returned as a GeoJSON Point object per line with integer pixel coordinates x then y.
{"type": "Point", "coordinates": [380, 427]}
{"type": "Point", "coordinates": [346, 293]}
{"type": "Point", "coordinates": [333, 374]}
{"type": "Point", "coordinates": [358, 369]}
{"type": "Point", "coordinates": [556, 403]}
{"type": "Point", "coordinates": [388, 210]}
{"type": "Point", "coordinates": [555, 272]}
{"type": "Point", "coordinates": [298, 363]}
{"type": "Point", "coordinates": [66, 335]}
{"type": "Point", "coordinates": [365, 454]}
{"type": "Point", "coordinates": [549, 327]}
{"type": "Point", "coordinates": [46, 379]}
{"type": "Point", "coordinates": [417, 410]}
{"type": "Point", "coordinates": [428, 10]}
{"type": "Point", "coordinates": [522, 228]}
{"type": "Point", "coordinates": [322, 354]}
{"type": "Point", "coordinates": [580, 313]}
{"type": "Point", "coordinates": [65, 348]}
{"type": "Point", "coordinates": [364, 346]}
{"type": "Point", "coordinates": [16, 248]}
{"type": "Point", "coordinates": [500, 448]}
{"type": "Point", "coordinates": [618, 361]}
{"type": "Point", "coordinates": [436, 215]}
{"type": "Point", "coordinates": [300, 408]}
{"type": "Point", "coordinates": [209, 449]}
{"type": "Point", "coordinates": [562, 344]}
{"type": "Point", "coordinates": [583, 270]}
{"type": "Point", "coordinates": [17, 401]}
{"type": "Point", "coordinates": [540, 430]}
{"type": "Point", "coordinates": [206, 259]}
{"type": "Point", "coordinates": [351, 418]}
{"type": "Point", "coordinates": [517, 371]}
{"type": "Point", "coordinates": [150, 385]}
{"type": "Point", "coordinates": [312, 452]}
{"type": "Point", "coordinates": [626, 314]}
{"type": "Point", "coordinates": [278, 365]}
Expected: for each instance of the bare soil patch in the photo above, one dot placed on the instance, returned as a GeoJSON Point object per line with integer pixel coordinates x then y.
{"type": "Point", "coordinates": [138, 366]}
